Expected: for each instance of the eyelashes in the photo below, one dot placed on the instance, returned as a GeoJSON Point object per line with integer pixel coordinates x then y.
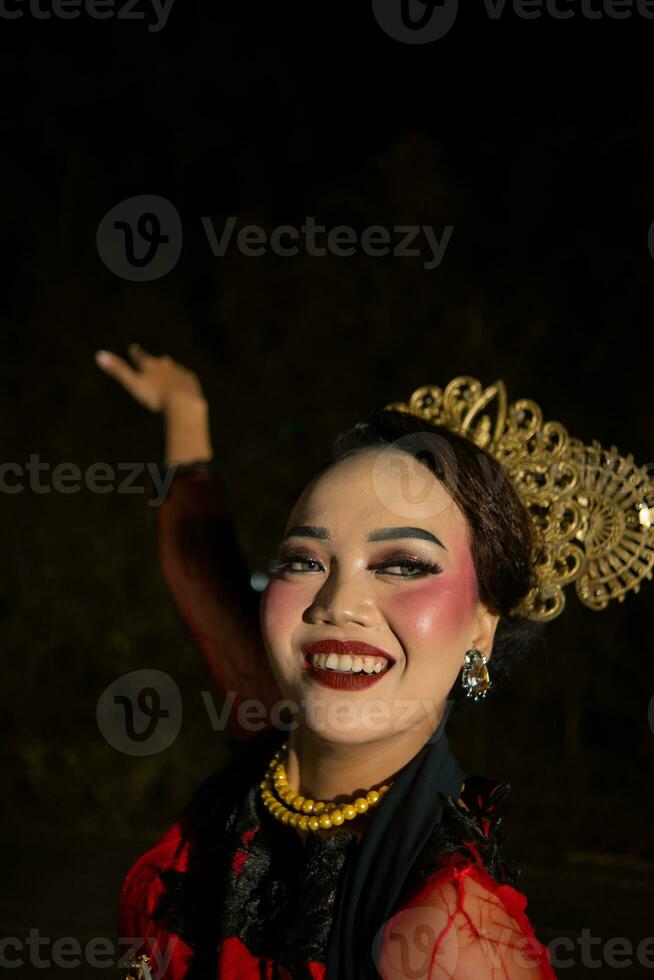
{"type": "Point", "coordinates": [419, 567]}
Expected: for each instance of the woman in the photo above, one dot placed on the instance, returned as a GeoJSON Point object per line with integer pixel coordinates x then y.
{"type": "Point", "coordinates": [345, 842]}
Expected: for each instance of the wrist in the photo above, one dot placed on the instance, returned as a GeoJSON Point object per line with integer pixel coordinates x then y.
{"type": "Point", "coordinates": [187, 430]}
{"type": "Point", "coordinates": [182, 404]}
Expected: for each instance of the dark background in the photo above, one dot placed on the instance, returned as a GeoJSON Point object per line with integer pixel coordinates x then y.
{"type": "Point", "coordinates": [534, 139]}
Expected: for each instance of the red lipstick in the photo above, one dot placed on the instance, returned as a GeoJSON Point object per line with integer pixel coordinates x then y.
{"type": "Point", "coordinates": [344, 680]}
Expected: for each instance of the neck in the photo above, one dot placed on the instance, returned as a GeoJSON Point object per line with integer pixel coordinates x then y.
{"type": "Point", "coordinates": [325, 770]}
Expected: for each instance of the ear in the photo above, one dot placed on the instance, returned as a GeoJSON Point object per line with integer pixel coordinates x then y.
{"type": "Point", "coordinates": [484, 630]}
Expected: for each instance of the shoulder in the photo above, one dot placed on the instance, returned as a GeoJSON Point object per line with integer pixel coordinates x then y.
{"type": "Point", "coordinates": [468, 843]}
{"type": "Point", "coordinates": [474, 821]}
{"type": "Point", "coordinates": [142, 941]}
{"type": "Point", "coordinates": [464, 925]}
{"type": "Point", "coordinates": [162, 880]}
{"type": "Point", "coordinates": [185, 844]}
{"type": "Point", "coordinates": [469, 832]}
{"type": "Point", "coordinates": [140, 887]}
{"type": "Point", "coordinates": [463, 910]}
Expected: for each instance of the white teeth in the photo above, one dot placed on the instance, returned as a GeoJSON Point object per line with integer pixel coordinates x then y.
{"type": "Point", "coordinates": [345, 663]}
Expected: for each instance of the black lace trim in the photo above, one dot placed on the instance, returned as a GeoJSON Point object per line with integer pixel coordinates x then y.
{"type": "Point", "coordinates": [260, 883]}
{"type": "Point", "coordinates": [471, 830]}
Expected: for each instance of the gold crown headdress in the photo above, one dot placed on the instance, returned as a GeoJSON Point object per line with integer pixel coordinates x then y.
{"type": "Point", "coordinates": [593, 509]}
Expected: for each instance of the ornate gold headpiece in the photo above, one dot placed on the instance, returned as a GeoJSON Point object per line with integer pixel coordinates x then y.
{"type": "Point", "coordinates": [593, 509]}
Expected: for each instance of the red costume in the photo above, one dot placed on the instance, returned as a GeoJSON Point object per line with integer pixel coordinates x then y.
{"type": "Point", "coordinates": [230, 892]}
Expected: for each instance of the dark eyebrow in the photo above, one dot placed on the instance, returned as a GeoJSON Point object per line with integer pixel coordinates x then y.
{"type": "Point", "coordinates": [307, 531]}
{"type": "Point", "coordinates": [393, 533]}
{"type": "Point", "coordinates": [381, 534]}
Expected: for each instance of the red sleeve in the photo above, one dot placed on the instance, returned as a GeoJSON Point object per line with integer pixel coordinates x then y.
{"type": "Point", "coordinates": [146, 950]}
{"type": "Point", "coordinates": [463, 925]}
{"type": "Point", "coordinates": [210, 583]}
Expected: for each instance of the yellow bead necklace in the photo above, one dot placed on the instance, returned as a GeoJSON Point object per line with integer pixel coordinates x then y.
{"type": "Point", "coordinates": [289, 807]}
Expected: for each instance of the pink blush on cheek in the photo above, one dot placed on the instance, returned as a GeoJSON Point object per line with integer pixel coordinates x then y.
{"type": "Point", "coordinates": [438, 608]}
{"type": "Point", "coordinates": [279, 611]}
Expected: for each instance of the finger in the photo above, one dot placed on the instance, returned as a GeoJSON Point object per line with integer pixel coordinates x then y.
{"type": "Point", "coordinates": [138, 355]}
{"type": "Point", "coordinates": [120, 370]}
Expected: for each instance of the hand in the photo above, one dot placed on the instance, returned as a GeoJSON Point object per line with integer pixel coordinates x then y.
{"type": "Point", "coordinates": [156, 382]}
{"type": "Point", "coordinates": [164, 386]}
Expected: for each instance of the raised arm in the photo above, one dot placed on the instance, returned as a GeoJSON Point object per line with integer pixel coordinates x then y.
{"type": "Point", "coordinates": [209, 580]}
{"type": "Point", "coordinates": [200, 555]}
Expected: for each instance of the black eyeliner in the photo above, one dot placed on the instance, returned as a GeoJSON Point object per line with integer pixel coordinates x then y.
{"type": "Point", "coordinates": [277, 564]}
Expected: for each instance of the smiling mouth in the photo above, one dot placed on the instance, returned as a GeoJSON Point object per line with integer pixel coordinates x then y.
{"type": "Point", "coordinates": [344, 663]}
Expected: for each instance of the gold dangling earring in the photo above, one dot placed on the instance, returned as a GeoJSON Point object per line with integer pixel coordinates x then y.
{"type": "Point", "coordinates": [475, 677]}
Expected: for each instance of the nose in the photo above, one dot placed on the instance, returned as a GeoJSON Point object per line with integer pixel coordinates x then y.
{"type": "Point", "coordinates": [342, 599]}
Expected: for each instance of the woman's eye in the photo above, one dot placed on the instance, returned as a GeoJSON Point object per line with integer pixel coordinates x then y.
{"type": "Point", "coordinates": [295, 564]}
{"type": "Point", "coordinates": [417, 568]}
{"type": "Point", "coordinates": [291, 563]}
{"type": "Point", "coordinates": [302, 565]}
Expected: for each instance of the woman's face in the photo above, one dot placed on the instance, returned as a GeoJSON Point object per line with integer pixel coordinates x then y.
{"type": "Point", "coordinates": [375, 551]}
